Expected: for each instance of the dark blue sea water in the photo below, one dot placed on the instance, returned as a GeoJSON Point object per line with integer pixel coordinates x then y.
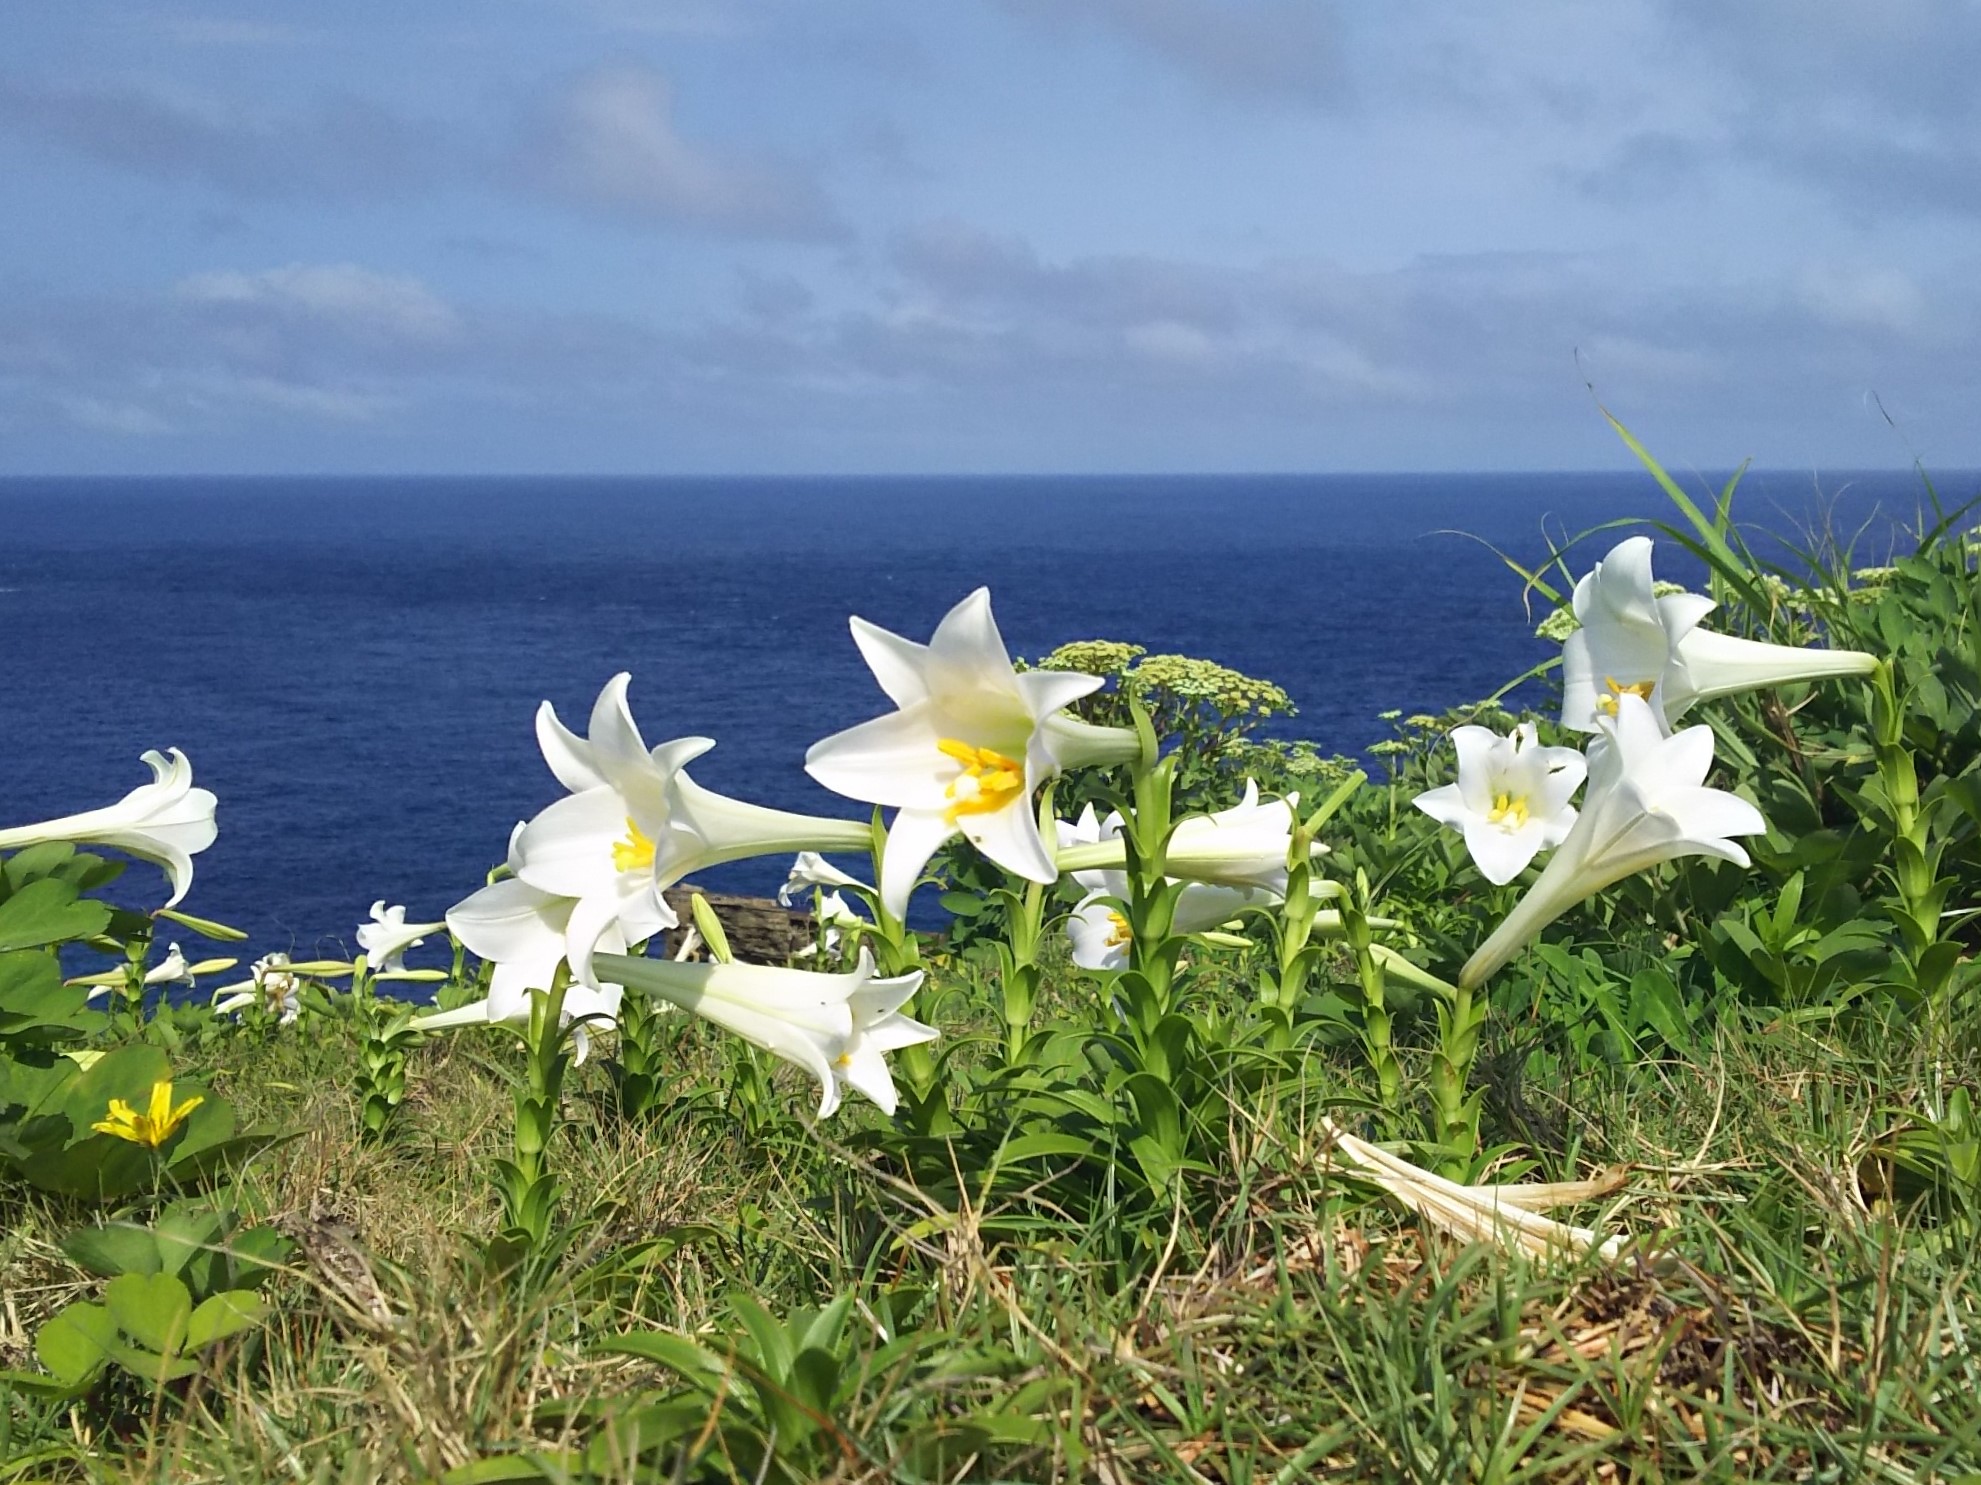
{"type": "Point", "coordinates": [353, 665]}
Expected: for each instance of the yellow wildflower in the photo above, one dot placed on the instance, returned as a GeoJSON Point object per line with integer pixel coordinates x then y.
{"type": "Point", "coordinates": [152, 1128]}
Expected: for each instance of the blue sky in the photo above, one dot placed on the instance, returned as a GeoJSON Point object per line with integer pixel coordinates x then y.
{"type": "Point", "coordinates": [694, 236]}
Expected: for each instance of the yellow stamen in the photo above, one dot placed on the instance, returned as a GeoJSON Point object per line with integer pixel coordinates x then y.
{"type": "Point", "coordinates": [1119, 934]}
{"type": "Point", "coordinates": [1607, 704]}
{"type": "Point", "coordinates": [155, 1126]}
{"type": "Point", "coordinates": [1508, 812]}
{"type": "Point", "coordinates": [635, 852]}
{"type": "Point", "coordinates": [993, 780]}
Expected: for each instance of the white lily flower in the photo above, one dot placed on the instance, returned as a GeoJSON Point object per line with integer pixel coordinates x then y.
{"type": "Point", "coordinates": [171, 970]}
{"type": "Point", "coordinates": [1647, 803]}
{"type": "Point", "coordinates": [167, 821]}
{"type": "Point", "coordinates": [1099, 931]}
{"type": "Point", "coordinates": [636, 824]}
{"type": "Point", "coordinates": [1100, 934]}
{"type": "Point", "coordinates": [1511, 800]}
{"type": "Point", "coordinates": [388, 935]}
{"type": "Point", "coordinates": [810, 870]}
{"type": "Point", "coordinates": [1245, 846]}
{"type": "Point", "coordinates": [525, 932]}
{"type": "Point", "coordinates": [970, 741]}
{"type": "Point", "coordinates": [1633, 642]}
{"type": "Point", "coordinates": [588, 1005]}
{"type": "Point", "coordinates": [837, 1027]}
{"type": "Point", "coordinates": [273, 988]}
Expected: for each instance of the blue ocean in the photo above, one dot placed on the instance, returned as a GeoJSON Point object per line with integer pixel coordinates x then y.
{"type": "Point", "coordinates": [353, 664]}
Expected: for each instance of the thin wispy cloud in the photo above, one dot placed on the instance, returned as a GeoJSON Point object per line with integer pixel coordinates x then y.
{"type": "Point", "coordinates": [608, 142]}
{"type": "Point", "coordinates": [342, 147]}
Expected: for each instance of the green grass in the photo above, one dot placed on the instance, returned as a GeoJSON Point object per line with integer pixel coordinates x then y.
{"type": "Point", "coordinates": [1803, 1324]}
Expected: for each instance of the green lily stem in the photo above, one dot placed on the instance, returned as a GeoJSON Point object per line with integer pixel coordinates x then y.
{"type": "Point", "coordinates": [381, 1079]}
{"type": "Point", "coordinates": [1457, 1112]}
{"type": "Point", "coordinates": [1929, 957]}
{"type": "Point", "coordinates": [1145, 832]}
{"type": "Point", "coordinates": [1022, 972]}
{"type": "Point", "coordinates": [1376, 1043]}
{"type": "Point", "coordinates": [528, 1187]}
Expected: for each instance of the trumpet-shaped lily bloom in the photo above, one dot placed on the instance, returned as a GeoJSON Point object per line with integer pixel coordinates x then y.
{"type": "Point", "coordinates": [388, 935]}
{"type": "Point", "coordinates": [1099, 931]}
{"type": "Point", "coordinates": [273, 988]}
{"type": "Point", "coordinates": [1511, 800]}
{"type": "Point", "coordinates": [171, 970]}
{"type": "Point", "coordinates": [1647, 803]}
{"type": "Point", "coordinates": [1245, 846]}
{"type": "Point", "coordinates": [636, 824]}
{"type": "Point", "coordinates": [525, 933]}
{"type": "Point", "coordinates": [810, 870]}
{"type": "Point", "coordinates": [969, 741]}
{"type": "Point", "coordinates": [837, 1027]}
{"type": "Point", "coordinates": [167, 821]}
{"type": "Point", "coordinates": [1635, 643]}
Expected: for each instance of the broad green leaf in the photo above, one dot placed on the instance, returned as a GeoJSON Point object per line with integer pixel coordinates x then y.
{"type": "Point", "coordinates": [127, 1072]}
{"type": "Point", "coordinates": [514, 1469]}
{"type": "Point", "coordinates": [773, 1342]}
{"type": "Point", "coordinates": [677, 1353]}
{"type": "Point", "coordinates": [76, 1341]}
{"type": "Point", "coordinates": [227, 1313]}
{"type": "Point", "coordinates": [120, 1248]}
{"type": "Point", "coordinates": [815, 1379]}
{"type": "Point", "coordinates": [184, 1231]}
{"type": "Point", "coordinates": [827, 1326]}
{"type": "Point", "coordinates": [152, 1309]}
{"type": "Point", "coordinates": [34, 862]}
{"type": "Point", "coordinates": [151, 1366]}
{"type": "Point", "coordinates": [33, 998]}
{"type": "Point", "coordinates": [48, 912]}
{"type": "Point", "coordinates": [1044, 1145]}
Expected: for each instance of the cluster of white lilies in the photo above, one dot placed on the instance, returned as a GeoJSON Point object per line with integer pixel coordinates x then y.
{"type": "Point", "coordinates": [1635, 665]}
{"type": "Point", "coordinates": [968, 744]}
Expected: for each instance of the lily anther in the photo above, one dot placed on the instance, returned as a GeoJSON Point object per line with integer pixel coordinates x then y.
{"type": "Point", "coordinates": [993, 780]}
{"type": "Point", "coordinates": [635, 852]}
{"type": "Point", "coordinates": [1119, 933]}
{"type": "Point", "coordinates": [1607, 704]}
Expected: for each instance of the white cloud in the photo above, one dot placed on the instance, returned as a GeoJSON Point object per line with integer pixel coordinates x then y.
{"type": "Point", "coordinates": [1864, 298]}
{"type": "Point", "coordinates": [358, 300]}
{"type": "Point", "coordinates": [609, 143]}
{"type": "Point", "coordinates": [339, 147]}
{"type": "Point", "coordinates": [124, 419]}
{"type": "Point", "coordinates": [1248, 49]}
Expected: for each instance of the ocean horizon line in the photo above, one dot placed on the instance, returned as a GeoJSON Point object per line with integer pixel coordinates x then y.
{"type": "Point", "coordinates": [1717, 473]}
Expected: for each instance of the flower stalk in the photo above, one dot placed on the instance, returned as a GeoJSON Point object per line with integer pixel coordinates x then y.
{"type": "Point", "coordinates": [1920, 889]}
{"type": "Point", "coordinates": [1369, 971]}
{"type": "Point", "coordinates": [388, 1035]}
{"type": "Point", "coordinates": [527, 1186]}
